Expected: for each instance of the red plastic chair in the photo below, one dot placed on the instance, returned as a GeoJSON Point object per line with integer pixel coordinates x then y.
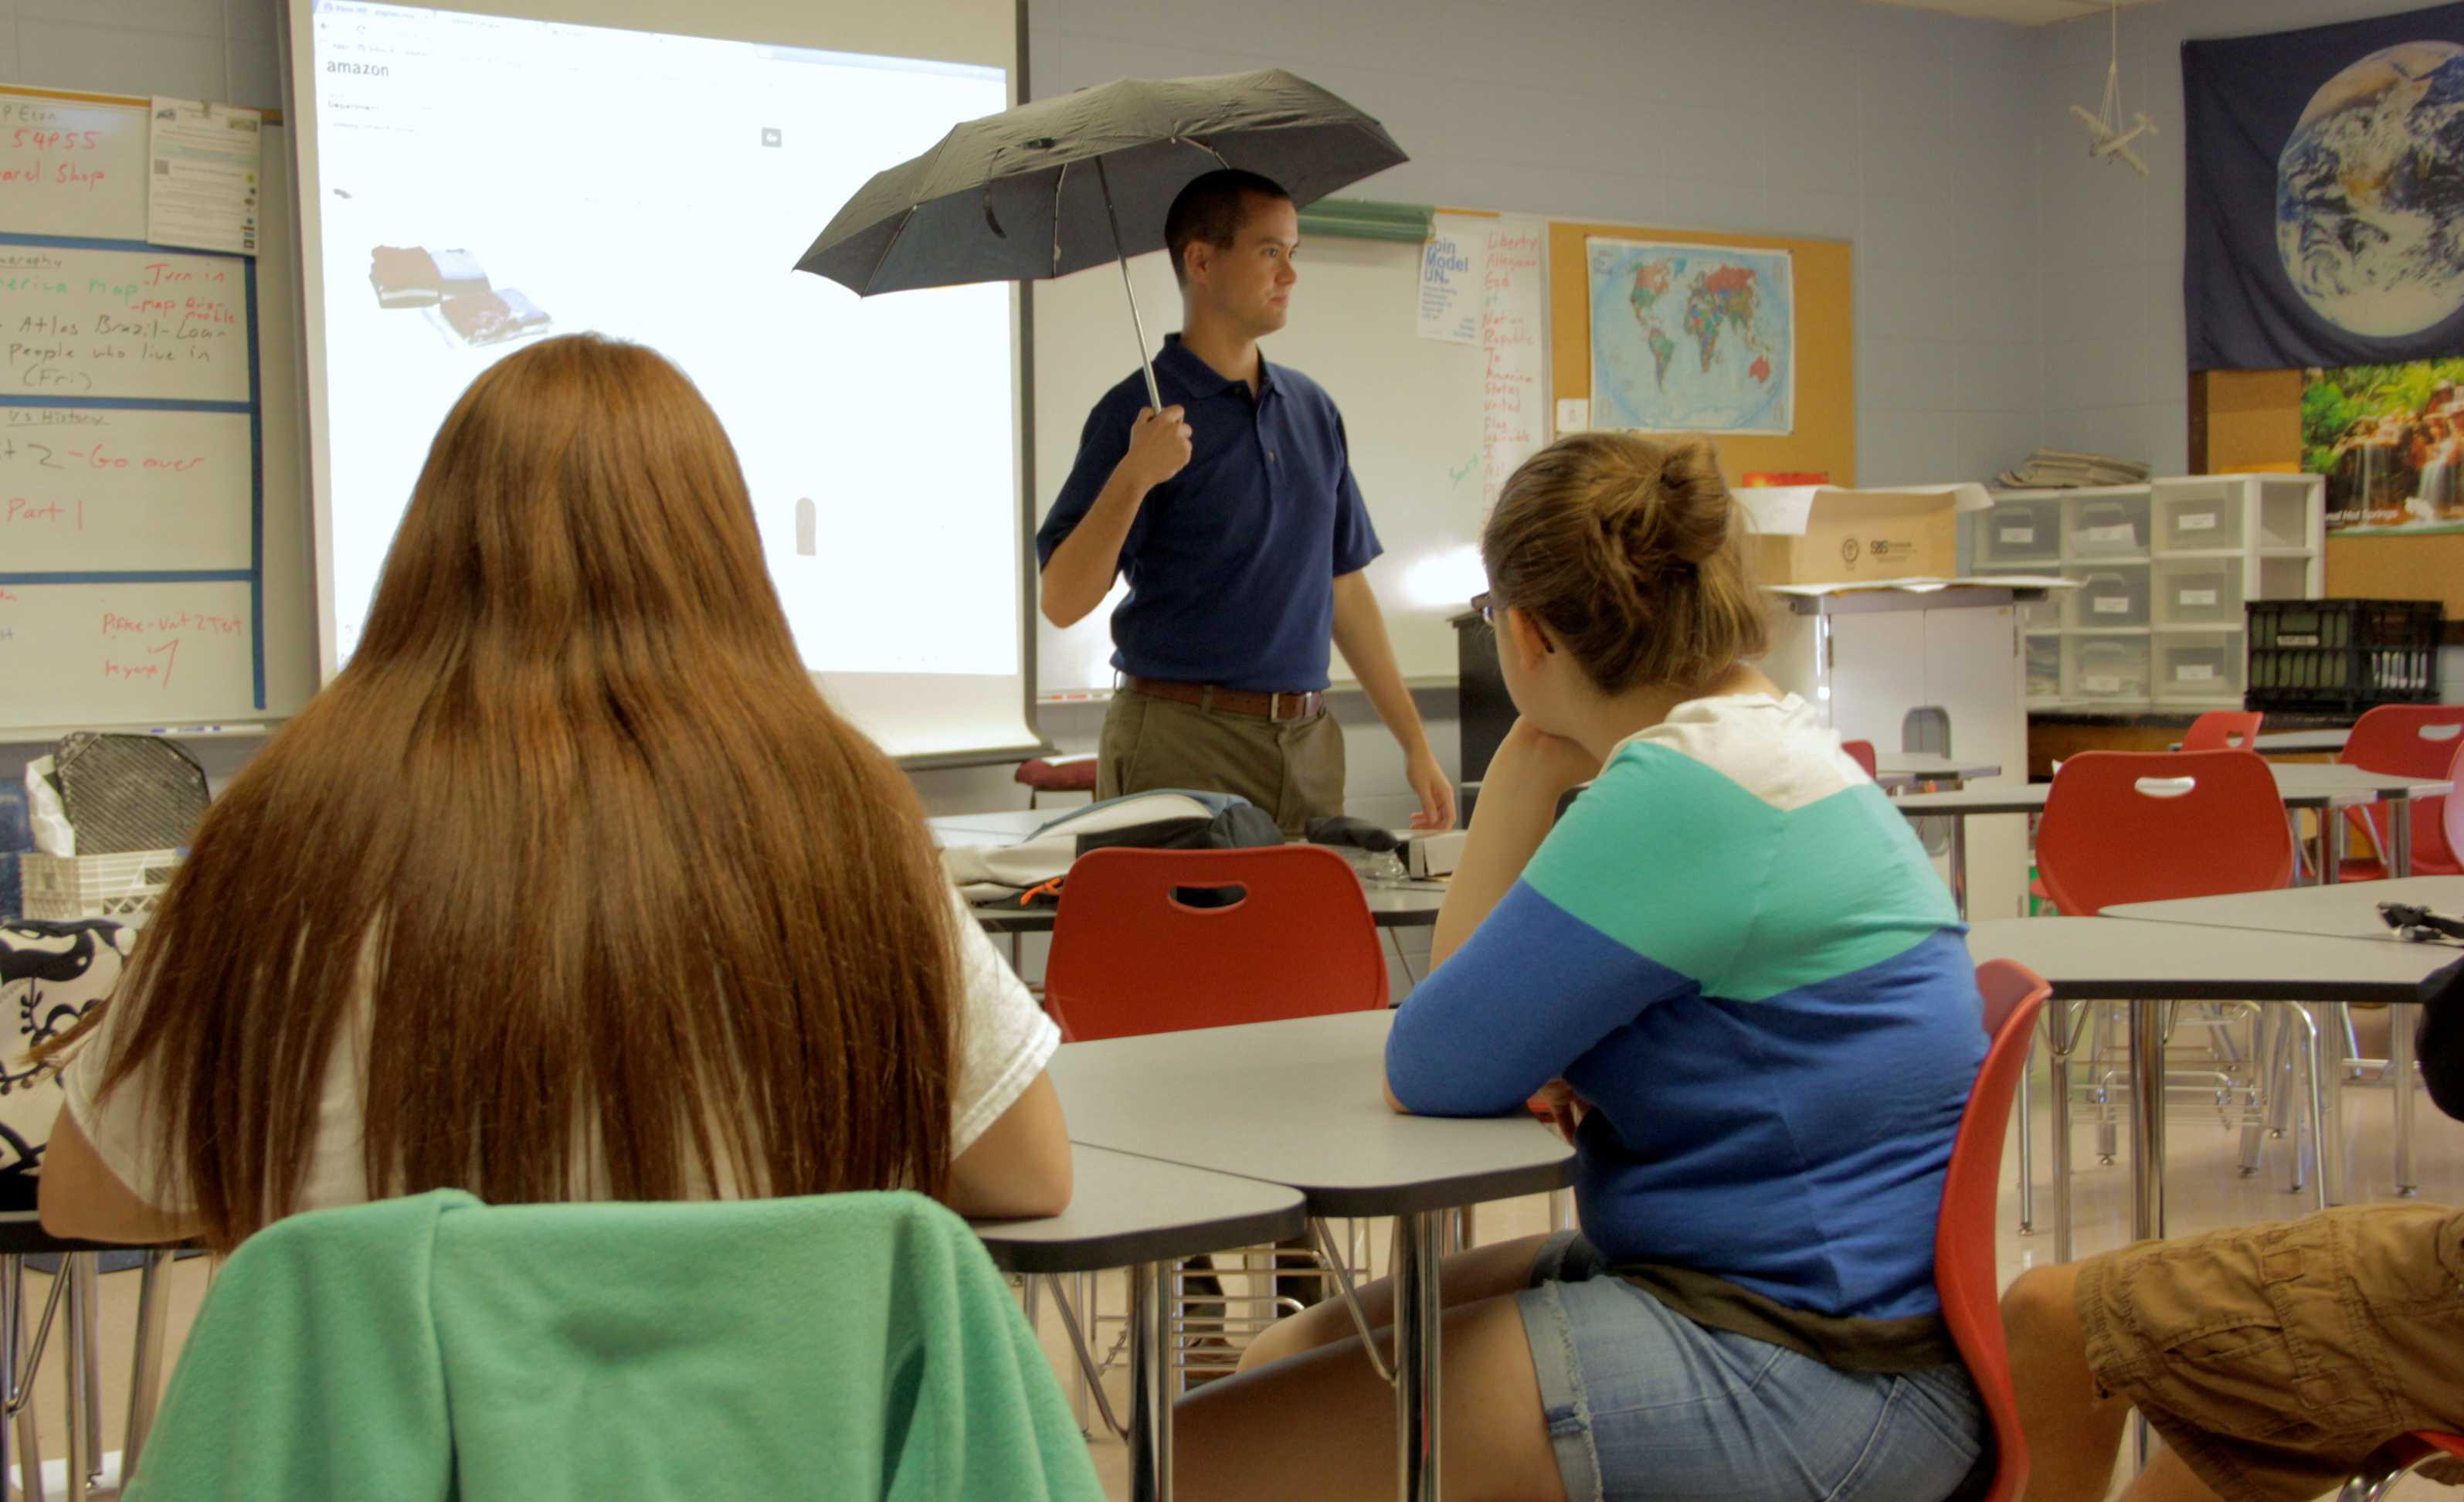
{"type": "Point", "coordinates": [2407, 740]}
{"type": "Point", "coordinates": [1964, 1271]}
{"type": "Point", "coordinates": [2144, 825]}
{"type": "Point", "coordinates": [2223, 730]}
{"type": "Point", "coordinates": [2396, 1460]}
{"type": "Point", "coordinates": [1130, 957]}
{"type": "Point", "coordinates": [2217, 729]}
{"type": "Point", "coordinates": [1861, 752]}
{"type": "Point", "coordinates": [2453, 821]}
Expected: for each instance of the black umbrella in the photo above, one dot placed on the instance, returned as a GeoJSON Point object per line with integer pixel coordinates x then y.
{"type": "Point", "coordinates": [1040, 190]}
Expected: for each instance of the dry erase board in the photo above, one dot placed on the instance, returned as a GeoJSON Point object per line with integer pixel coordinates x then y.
{"type": "Point", "coordinates": [153, 567]}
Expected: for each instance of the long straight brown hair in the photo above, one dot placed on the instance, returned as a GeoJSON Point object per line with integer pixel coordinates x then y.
{"type": "Point", "coordinates": [623, 888]}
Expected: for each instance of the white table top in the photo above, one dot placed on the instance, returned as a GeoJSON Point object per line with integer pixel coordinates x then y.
{"type": "Point", "coordinates": [1918, 765]}
{"type": "Point", "coordinates": [1298, 1103]}
{"type": "Point", "coordinates": [2291, 742]}
{"type": "Point", "coordinates": [2115, 958]}
{"type": "Point", "coordinates": [1002, 826]}
{"type": "Point", "coordinates": [2347, 909]}
{"type": "Point", "coordinates": [2303, 785]}
{"type": "Point", "coordinates": [1126, 1209]}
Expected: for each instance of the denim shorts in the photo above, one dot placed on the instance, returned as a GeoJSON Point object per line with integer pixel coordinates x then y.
{"type": "Point", "coordinates": [1644, 1402]}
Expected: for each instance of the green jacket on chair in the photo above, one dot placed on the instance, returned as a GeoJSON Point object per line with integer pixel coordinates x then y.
{"type": "Point", "coordinates": [433, 1347]}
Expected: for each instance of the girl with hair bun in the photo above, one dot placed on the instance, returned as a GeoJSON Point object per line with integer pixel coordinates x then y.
{"type": "Point", "coordinates": [1734, 980]}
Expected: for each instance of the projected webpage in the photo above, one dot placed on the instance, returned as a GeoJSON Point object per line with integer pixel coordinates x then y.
{"type": "Point", "coordinates": [483, 183]}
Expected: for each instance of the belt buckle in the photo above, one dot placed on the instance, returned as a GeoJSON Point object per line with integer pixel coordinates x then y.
{"type": "Point", "coordinates": [1275, 706]}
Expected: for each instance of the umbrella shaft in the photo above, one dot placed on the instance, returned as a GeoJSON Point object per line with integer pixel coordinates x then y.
{"type": "Point", "coordinates": [1146, 363]}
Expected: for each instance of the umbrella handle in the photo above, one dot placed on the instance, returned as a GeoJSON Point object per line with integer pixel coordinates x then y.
{"type": "Point", "coordinates": [1146, 362]}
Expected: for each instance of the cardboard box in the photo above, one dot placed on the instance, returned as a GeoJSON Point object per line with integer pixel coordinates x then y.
{"type": "Point", "coordinates": [1822, 534]}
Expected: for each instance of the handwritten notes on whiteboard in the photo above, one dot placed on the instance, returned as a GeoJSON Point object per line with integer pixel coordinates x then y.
{"type": "Point", "coordinates": [96, 489]}
{"type": "Point", "coordinates": [72, 168]}
{"type": "Point", "coordinates": [124, 323]}
{"type": "Point", "coordinates": [151, 652]}
{"type": "Point", "coordinates": [1514, 311]}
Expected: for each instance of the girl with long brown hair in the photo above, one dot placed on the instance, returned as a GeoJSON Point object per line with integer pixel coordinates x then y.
{"type": "Point", "coordinates": [569, 887]}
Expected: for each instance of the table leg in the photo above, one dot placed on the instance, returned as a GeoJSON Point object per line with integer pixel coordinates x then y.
{"type": "Point", "coordinates": [2147, 1120]}
{"type": "Point", "coordinates": [1959, 864]}
{"type": "Point", "coordinates": [2399, 857]}
{"type": "Point", "coordinates": [1420, 1326]}
{"type": "Point", "coordinates": [1150, 1382]}
{"type": "Point", "coordinates": [2400, 1079]}
{"type": "Point", "coordinates": [2027, 1159]}
{"type": "Point", "coordinates": [2331, 845]}
{"type": "Point", "coordinates": [2331, 1104]}
{"type": "Point", "coordinates": [2062, 1036]}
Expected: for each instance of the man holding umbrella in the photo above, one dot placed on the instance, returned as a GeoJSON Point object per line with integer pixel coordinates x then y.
{"type": "Point", "coordinates": [1234, 514]}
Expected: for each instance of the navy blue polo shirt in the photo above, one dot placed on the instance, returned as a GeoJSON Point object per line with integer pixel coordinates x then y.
{"type": "Point", "coordinates": [1231, 562]}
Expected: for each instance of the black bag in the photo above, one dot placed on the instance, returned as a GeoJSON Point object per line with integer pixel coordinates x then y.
{"type": "Point", "coordinates": [2439, 1041]}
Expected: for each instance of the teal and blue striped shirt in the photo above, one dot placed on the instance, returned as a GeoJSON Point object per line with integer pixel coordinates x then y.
{"type": "Point", "coordinates": [1737, 951]}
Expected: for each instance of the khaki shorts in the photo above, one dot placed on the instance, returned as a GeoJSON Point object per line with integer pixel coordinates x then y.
{"type": "Point", "coordinates": [2274, 1358]}
{"type": "Point", "coordinates": [1293, 769]}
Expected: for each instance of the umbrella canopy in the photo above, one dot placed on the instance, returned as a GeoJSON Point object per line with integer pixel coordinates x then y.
{"type": "Point", "coordinates": [1060, 185]}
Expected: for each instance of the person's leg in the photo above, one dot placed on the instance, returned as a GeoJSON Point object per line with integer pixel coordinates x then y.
{"type": "Point", "coordinates": [1123, 720]}
{"type": "Point", "coordinates": [1312, 752]}
{"type": "Point", "coordinates": [1466, 1277]}
{"type": "Point", "coordinates": [1181, 745]}
{"type": "Point", "coordinates": [2073, 1431]}
{"type": "Point", "coordinates": [2166, 1479]}
{"type": "Point", "coordinates": [1322, 1423]}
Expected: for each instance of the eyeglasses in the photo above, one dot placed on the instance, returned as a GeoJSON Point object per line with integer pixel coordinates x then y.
{"type": "Point", "coordinates": [1484, 606]}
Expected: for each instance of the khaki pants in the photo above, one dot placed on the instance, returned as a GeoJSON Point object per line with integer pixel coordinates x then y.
{"type": "Point", "coordinates": [2274, 1357]}
{"type": "Point", "coordinates": [1293, 769]}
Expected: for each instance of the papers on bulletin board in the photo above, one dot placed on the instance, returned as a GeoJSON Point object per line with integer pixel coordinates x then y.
{"type": "Point", "coordinates": [202, 185]}
{"type": "Point", "coordinates": [1454, 276]}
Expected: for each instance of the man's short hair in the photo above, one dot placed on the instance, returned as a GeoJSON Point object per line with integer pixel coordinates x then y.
{"type": "Point", "coordinates": [1209, 209]}
{"type": "Point", "coordinates": [2440, 1042]}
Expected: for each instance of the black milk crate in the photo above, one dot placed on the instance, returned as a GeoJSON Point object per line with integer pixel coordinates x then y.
{"type": "Point", "coordinates": [2342, 655]}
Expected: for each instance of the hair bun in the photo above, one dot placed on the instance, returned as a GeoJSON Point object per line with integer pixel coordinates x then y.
{"type": "Point", "coordinates": [1700, 510]}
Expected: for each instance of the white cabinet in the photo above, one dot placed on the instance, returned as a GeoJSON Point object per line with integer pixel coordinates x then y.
{"type": "Point", "coordinates": [2164, 570]}
{"type": "Point", "coordinates": [1940, 673]}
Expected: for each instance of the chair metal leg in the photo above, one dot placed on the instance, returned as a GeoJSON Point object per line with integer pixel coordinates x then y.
{"type": "Point", "coordinates": [145, 1376]}
{"type": "Point", "coordinates": [75, 1359]}
{"type": "Point", "coordinates": [89, 1286]}
{"type": "Point", "coordinates": [25, 1356]}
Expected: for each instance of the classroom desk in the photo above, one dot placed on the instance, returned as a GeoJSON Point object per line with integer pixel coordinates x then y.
{"type": "Point", "coordinates": [2144, 963]}
{"type": "Point", "coordinates": [2346, 911]}
{"type": "Point", "coordinates": [1143, 1215]}
{"type": "Point", "coordinates": [1924, 766]}
{"type": "Point", "coordinates": [2310, 786]}
{"type": "Point", "coordinates": [1001, 827]}
{"type": "Point", "coordinates": [1299, 1103]}
{"type": "Point", "coordinates": [2296, 742]}
{"type": "Point", "coordinates": [1413, 905]}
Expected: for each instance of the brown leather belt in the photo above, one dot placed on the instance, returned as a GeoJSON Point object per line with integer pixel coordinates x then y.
{"type": "Point", "coordinates": [1237, 701]}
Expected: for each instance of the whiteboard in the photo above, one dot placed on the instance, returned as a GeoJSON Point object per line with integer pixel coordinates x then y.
{"type": "Point", "coordinates": [101, 496]}
{"type": "Point", "coordinates": [1415, 411]}
{"type": "Point", "coordinates": [73, 167]}
{"type": "Point", "coordinates": [152, 326]}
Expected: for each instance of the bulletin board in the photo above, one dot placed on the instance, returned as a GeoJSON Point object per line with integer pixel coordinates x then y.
{"type": "Point", "coordinates": [1824, 438]}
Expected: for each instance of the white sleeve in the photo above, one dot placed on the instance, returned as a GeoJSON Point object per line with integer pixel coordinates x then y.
{"type": "Point", "coordinates": [1006, 1036]}
{"type": "Point", "coordinates": [120, 1124]}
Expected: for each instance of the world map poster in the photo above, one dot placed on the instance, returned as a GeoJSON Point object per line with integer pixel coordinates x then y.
{"type": "Point", "coordinates": [1692, 337]}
